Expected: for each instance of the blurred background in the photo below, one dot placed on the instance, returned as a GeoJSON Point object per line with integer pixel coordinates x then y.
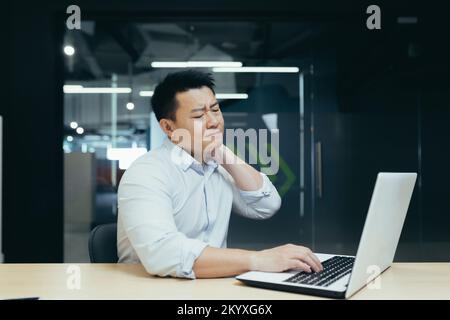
{"type": "Point", "coordinates": [348, 102]}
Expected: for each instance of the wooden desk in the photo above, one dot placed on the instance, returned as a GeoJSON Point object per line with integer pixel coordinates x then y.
{"type": "Point", "coordinates": [120, 281]}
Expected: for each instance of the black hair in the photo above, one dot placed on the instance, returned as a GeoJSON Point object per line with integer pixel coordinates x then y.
{"type": "Point", "coordinates": [163, 101]}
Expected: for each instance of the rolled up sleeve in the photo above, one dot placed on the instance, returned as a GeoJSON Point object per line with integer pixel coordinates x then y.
{"type": "Point", "coordinates": [258, 204]}
{"type": "Point", "coordinates": [145, 210]}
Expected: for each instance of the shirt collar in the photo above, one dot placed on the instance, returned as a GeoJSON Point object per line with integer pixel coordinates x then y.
{"type": "Point", "coordinates": [184, 160]}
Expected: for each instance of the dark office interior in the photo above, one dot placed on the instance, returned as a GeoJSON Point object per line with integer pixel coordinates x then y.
{"type": "Point", "coordinates": [365, 101]}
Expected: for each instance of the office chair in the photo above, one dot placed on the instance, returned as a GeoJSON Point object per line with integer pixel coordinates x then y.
{"type": "Point", "coordinates": [103, 244]}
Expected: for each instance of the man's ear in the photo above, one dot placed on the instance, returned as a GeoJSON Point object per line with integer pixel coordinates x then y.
{"type": "Point", "coordinates": [167, 126]}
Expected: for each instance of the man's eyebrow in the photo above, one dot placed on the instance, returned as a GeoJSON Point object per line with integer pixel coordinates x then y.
{"type": "Point", "coordinates": [198, 109]}
{"type": "Point", "coordinates": [203, 108]}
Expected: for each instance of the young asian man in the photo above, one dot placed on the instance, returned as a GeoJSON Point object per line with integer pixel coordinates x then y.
{"type": "Point", "coordinates": [175, 201]}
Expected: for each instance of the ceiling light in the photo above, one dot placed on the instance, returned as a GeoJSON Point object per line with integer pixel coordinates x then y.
{"type": "Point", "coordinates": [259, 69]}
{"type": "Point", "coordinates": [218, 95]}
{"type": "Point", "coordinates": [69, 50]}
{"type": "Point", "coordinates": [68, 87]}
{"type": "Point", "coordinates": [146, 93]}
{"type": "Point", "coordinates": [96, 90]}
{"type": "Point", "coordinates": [195, 64]}
{"type": "Point", "coordinates": [232, 96]}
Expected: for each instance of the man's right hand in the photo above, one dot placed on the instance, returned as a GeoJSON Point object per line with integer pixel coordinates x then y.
{"type": "Point", "coordinates": [285, 257]}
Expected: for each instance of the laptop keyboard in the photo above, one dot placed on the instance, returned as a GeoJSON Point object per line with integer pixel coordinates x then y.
{"type": "Point", "coordinates": [333, 269]}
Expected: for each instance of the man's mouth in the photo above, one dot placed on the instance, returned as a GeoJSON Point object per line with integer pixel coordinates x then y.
{"type": "Point", "coordinates": [212, 133]}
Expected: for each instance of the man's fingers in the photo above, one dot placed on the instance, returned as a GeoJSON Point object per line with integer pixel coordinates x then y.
{"type": "Point", "coordinates": [308, 257]}
{"type": "Point", "coordinates": [211, 149]}
{"type": "Point", "coordinates": [310, 261]}
{"type": "Point", "coordinates": [314, 257]}
{"type": "Point", "coordinates": [214, 144]}
{"type": "Point", "coordinates": [297, 264]}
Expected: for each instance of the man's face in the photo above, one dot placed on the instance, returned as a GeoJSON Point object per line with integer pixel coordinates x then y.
{"type": "Point", "coordinates": [199, 113]}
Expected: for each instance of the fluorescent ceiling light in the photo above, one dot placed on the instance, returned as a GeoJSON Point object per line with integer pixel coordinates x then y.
{"type": "Point", "coordinates": [146, 93]}
{"type": "Point", "coordinates": [231, 96]}
{"type": "Point", "coordinates": [195, 64]}
{"type": "Point", "coordinates": [126, 156]}
{"type": "Point", "coordinates": [218, 95]}
{"type": "Point", "coordinates": [68, 87]}
{"type": "Point", "coordinates": [81, 89]}
{"type": "Point", "coordinates": [259, 69]}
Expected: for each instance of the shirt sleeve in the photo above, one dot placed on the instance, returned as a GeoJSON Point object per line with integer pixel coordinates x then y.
{"type": "Point", "coordinates": [259, 204]}
{"type": "Point", "coordinates": [145, 210]}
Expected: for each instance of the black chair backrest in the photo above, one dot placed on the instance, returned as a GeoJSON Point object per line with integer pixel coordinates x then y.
{"type": "Point", "coordinates": [103, 244]}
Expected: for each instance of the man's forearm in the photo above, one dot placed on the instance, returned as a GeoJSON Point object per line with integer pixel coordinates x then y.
{"type": "Point", "coordinates": [218, 262]}
{"type": "Point", "coordinates": [244, 175]}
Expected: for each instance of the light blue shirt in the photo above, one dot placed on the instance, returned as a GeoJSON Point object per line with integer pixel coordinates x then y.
{"type": "Point", "coordinates": [171, 207]}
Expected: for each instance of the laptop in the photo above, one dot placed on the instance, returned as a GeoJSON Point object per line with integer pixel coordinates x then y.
{"type": "Point", "coordinates": [343, 275]}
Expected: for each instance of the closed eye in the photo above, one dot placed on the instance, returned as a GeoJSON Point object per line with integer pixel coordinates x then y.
{"type": "Point", "coordinates": [215, 107]}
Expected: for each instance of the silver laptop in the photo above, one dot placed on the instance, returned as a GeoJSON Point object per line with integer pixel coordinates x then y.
{"type": "Point", "coordinates": [344, 275]}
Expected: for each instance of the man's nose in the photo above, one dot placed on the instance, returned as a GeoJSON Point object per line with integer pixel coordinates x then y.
{"type": "Point", "coordinates": [211, 120]}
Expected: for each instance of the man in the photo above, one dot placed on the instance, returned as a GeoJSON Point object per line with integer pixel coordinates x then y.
{"type": "Point", "coordinates": [175, 201]}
